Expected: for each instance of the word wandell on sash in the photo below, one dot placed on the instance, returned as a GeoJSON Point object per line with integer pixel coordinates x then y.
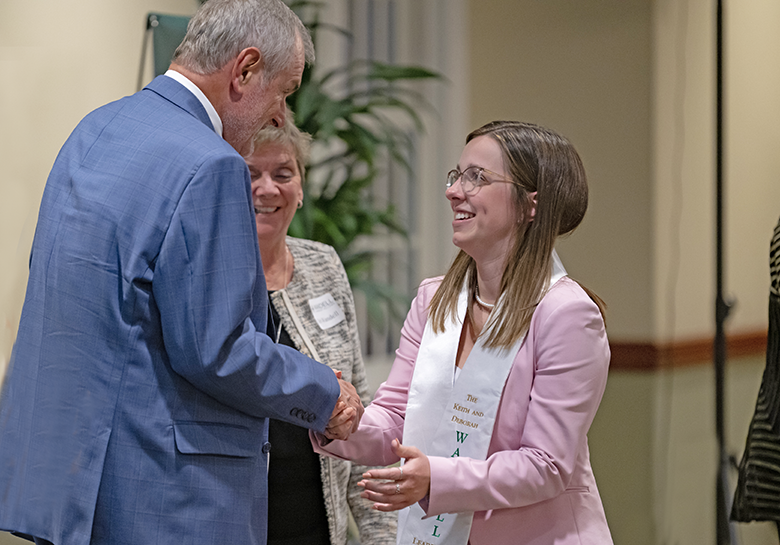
{"type": "Point", "coordinates": [464, 429]}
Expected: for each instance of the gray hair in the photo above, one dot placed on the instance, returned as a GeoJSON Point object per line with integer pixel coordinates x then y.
{"type": "Point", "coordinates": [221, 29]}
{"type": "Point", "coordinates": [287, 135]}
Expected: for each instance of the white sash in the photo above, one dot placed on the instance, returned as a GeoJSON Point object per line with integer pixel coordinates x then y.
{"type": "Point", "coordinates": [446, 419]}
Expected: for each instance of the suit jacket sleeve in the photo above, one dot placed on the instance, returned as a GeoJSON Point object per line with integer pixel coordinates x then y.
{"type": "Point", "coordinates": [213, 306]}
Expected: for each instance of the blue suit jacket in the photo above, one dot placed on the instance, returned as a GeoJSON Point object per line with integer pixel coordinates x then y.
{"type": "Point", "coordinates": [136, 402]}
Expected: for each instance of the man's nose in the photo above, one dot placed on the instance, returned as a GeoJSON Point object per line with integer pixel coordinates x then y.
{"type": "Point", "coordinates": [278, 119]}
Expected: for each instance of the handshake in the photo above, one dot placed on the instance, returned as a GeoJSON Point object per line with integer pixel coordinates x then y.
{"type": "Point", "coordinates": [346, 414]}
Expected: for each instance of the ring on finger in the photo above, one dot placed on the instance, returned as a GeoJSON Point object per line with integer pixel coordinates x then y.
{"type": "Point", "coordinates": [402, 473]}
{"type": "Point", "coordinates": [397, 488]}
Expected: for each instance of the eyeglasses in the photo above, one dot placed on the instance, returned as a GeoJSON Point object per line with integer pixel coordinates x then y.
{"type": "Point", "coordinates": [473, 178]}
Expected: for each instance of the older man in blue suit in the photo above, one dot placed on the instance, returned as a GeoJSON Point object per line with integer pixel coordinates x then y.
{"type": "Point", "coordinates": [136, 405]}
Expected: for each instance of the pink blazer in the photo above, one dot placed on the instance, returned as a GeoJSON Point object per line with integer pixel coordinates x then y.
{"type": "Point", "coordinates": [536, 486]}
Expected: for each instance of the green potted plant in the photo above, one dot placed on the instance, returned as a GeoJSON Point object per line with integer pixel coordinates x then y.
{"type": "Point", "coordinates": [360, 116]}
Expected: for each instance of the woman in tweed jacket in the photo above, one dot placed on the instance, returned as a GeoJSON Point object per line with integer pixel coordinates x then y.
{"type": "Point", "coordinates": [313, 309]}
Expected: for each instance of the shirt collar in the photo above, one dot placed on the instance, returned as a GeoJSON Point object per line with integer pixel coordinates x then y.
{"type": "Point", "coordinates": [212, 113]}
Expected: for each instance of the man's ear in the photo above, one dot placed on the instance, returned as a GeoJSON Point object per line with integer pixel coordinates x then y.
{"type": "Point", "coordinates": [247, 66]}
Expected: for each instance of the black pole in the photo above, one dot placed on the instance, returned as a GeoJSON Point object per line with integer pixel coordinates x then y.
{"type": "Point", "coordinates": [725, 533]}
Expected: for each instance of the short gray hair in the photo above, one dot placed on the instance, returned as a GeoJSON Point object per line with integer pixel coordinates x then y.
{"type": "Point", "coordinates": [221, 29]}
{"type": "Point", "coordinates": [287, 135]}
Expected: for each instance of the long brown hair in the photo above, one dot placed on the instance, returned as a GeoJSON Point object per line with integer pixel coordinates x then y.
{"type": "Point", "coordinates": [539, 160]}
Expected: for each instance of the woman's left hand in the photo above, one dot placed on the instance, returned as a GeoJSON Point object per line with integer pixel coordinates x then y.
{"type": "Point", "coordinates": [394, 488]}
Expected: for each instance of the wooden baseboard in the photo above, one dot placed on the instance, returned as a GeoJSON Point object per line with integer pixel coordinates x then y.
{"type": "Point", "coordinates": [627, 356]}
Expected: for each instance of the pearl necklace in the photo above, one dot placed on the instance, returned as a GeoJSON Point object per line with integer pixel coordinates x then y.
{"type": "Point", "coordinates": [483, 303]}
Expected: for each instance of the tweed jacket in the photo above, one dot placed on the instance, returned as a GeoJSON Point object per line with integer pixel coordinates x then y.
{"type": "Point", "coordinates": [318, 271]}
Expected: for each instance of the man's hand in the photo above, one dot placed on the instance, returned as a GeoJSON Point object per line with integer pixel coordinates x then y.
{"type": "Point", "coordinates": [347, 412]}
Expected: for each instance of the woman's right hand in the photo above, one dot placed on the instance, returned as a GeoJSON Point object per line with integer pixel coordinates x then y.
{"type": "Point", "coordinates": [397, 487]}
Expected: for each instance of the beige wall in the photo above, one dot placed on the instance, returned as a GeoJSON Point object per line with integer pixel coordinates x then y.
{"type": "Point", "coordinates": [684, 162]}
{"type": "Point", "coordinates": [58, 60]}
{"type": "Point", "coordinates": [583, 69]}
{"type": "Point", "coordinates": [683, 180]}
{"type": "Point", "coordinates": [753, 152]}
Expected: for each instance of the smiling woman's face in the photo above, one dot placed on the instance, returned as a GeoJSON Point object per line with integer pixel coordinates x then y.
{"type": "Point", "coordinates": [484, 223]}
{"type": "Point", "coordinates": [276, 190]}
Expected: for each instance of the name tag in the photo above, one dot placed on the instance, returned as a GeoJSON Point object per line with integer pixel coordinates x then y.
{"type": "Point", "coordinates": [326, 311]}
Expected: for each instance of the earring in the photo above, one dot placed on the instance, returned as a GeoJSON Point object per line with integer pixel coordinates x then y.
{"type": "Point", "coordinates": [300, 203]}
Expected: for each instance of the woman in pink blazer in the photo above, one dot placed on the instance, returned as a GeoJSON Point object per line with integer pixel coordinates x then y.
{"type": "Point", "coordinates": [501, 366]}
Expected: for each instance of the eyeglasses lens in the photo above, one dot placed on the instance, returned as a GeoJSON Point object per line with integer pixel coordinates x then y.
{"type": "Point", "coordinates": [452, 177]}
{"type": "Point", "coordinates": [469, 179]}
